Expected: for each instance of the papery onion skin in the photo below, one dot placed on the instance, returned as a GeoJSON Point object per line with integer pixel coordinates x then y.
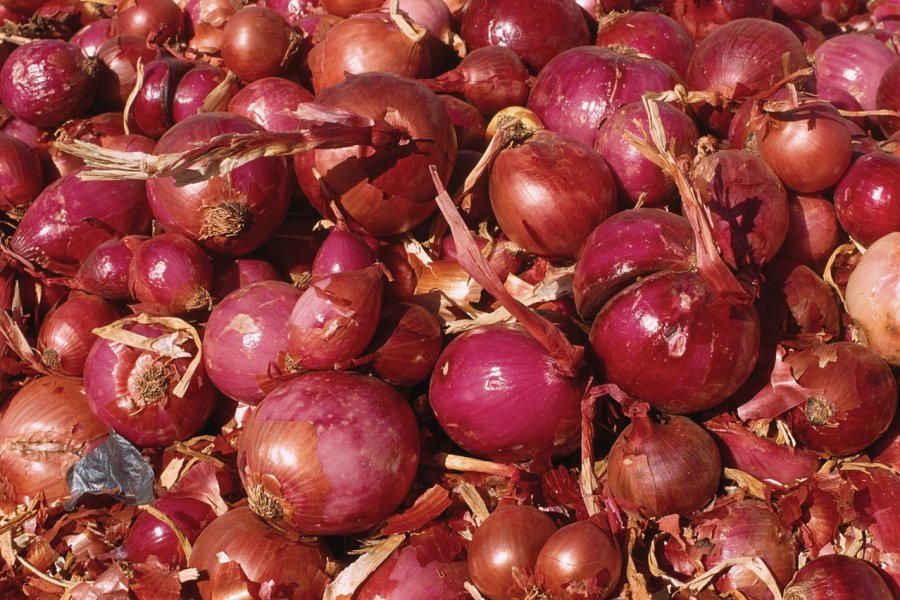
{"type": "Point", "coordinates": [104, 272]}
{"type": "Point", "coordinates": [256, 43]}
{"type": "Point", "coordinates": [244, 335]}
{"type": "Point", "coordinates": [264, 101]}
{"type": "Point", "coordinates": [497, 393]}
{"type": "Point", "coordinates": [867, 199]}
{"type": "Point", "coordinates": [503, 256]}
{"type": "Point", "coordinates": [510, 538]}
{"type": "Point", "coordinates": [21, 174]}
{"type": "Point", "coordinates": [148, 536]}
{"type": "Point", "coordinates": [170, 275]}
{"type": "Point", "coordinates": [329, 453]}
{"type": "Point", "coordinates": [871, 297]}
{"type": "Point", "coordinates": [65, 337]}
{"type": "Point", "coordinates": [813, 230]}
{"type": "Point", "coordinates": [403, 576]}
{"type": "Point", "coordinates": [653, 34]}
{"type": "Point", "coordinates": [853, 62]}
{"type": "Point", "coordinates": [44, 429]}
{"type": "Point", "coordinates": [581, 561]}
{"type": "Point", "coordinates": [796, 303]}
{"type": "Point", "coordinates": [837, 576]}
{"type": "Point", "coordinates": [264, 555]}
{"type": "Point", "coordinates": [406, 344]}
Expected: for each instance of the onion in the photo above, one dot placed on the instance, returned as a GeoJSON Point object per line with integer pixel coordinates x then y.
{"type": "Point", "coordinates": [813, 230]}
{"type": "Point", "coordinates": [341, 251]}
{"type": "Point", "coordinates": [148, 536]}
{"type": "Point", "coordinates": [637, 177]}
{"type": "Point", "coordinates": [811, 38]}
{"type": "Point", "coordinates": [502, 256]}
{"type": "Point", "coordinates": [405, 575]}
{"type": "Point", "coordinates": [478, 200]}
{"type": "Point", "coordinates": [104, 272]}
{"type": "Point", "coordinates": [581, 560]}
{"type": "Point", "coordinates": [244, 336]}
{"type": "Point", "coordinates": [153, 20]}
{"type": "Point", "coordinates": [261, 554]}
{"type": "Point", "coordinates": [507, 543]}
{"type": "Point", "coordinates": [653, 34]}
{"type": "Point", "coordinates": [855, 400]}
{"type": "Point", "coordinates": [550, 192]}
{"type": "Point", "coordinates": [853, 62]}
{"type": "Point", "coordinates": [229, 214]}
{"type": "Point", "coordinates": [257, 42]}
{"type": "Point", "coordinates": [867, 199]}
{"type": "Point", "coordinates": [21, 174]}
{"type": "Point", "coordinates": [44, 429]}
{"type": "Point", "coordinates": [232, 274]}
{"type": "Point", "coordinates": [71, 217]}
{"type": "Point", "coordinates": [796, 303]}
{"type": "Point", "coordinates": [871, 297]}
{"type": "Point", "coordinates": [580, 88]}
{"type": "Point", "coordinates": [346, 8]}
{"type": "Point", "coordinates": [265, 100]}
{"type": "Point", "coordinates": [329, 453]}
{"type": "Point", "coordinates": [396, 262]}
{"type": "Point", "coordinates": [47, 82]}
{"type": "Point", "coordinates": [90, 37]}
{"type": "Point", "coordinates": [536, 32]}
{"type": "Point", "coordinates": [195, 87]}
{"type": "Point", "coordinates": [170, 275]}
{"type": "Point", "coordinates": [134, 390]}
{"type": "Point", "coordinates": [152, 107]}
{"type": "Point", "coordinates": [118, 72]}
{"type": "Point", "coordinates": [702, 18]}
{"type": "Point", "coordinates": [294, 11]}
{"type": "Point", "coordinates": [837, 576]}
{"type": "Point", "coordinates": [489, 78]}
{"type": "Point", "coordinates": [887, 97]}
{"type": "Point", "coordinates": [65, 337]}
{"type": "Point", "coordinates": [839, 10]}
{"type": "Point", "coordinates": [797, 9]}
{"type": "Point", "coordinates": [294, 246]}
{"type": "Point", "coordinates": [467, 122]}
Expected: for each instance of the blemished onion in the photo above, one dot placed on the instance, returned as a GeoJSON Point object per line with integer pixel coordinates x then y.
{"type": "Point", "coordinates": [346, 8]}
{"type": "Point", "coordinates": [118, 70]}
{"type": "Point", "coordinates": [152, 107]}
{"type": "Point", "coordinates": [536, 32]}
{"type": "Point", "coordinates": [625, 248]}
{"type": "Point", "coordinates": [91, 36]}
{"type": "Point", "coordinates": [244, 335]}
{"type": "Point", "coordinates": [153, 20]}
{"type": "Point", "coordinates": [170, 275]}
{"type": "Point", "coordinates": [581, 87]}
{"type": "Point", "coordinates": [887, 97]}
{"type": "Point", "coordinates": [508, 541]}
{"type": "Point", "coordinates": [71, 217]}
{"type": "Point", "coordinates": [813, 230]}
{"type": "Point", "coordinates": [638, 179]}
{"type": "Point", "coordinates": [44, 429]}
{"type": "Point", "coordinates": [871, 297]}
{"type": "Point", "coordinates": [662, 465]}
{"type": "Point", "coordinates": [335, 318]}
{"type": "Point", "coordinates": [867, 199]}
{"type": "Point", "coordinates": [232, 274]}
{"type": "Point", "coordinates": [259, 553]}
{"type": "Point", "coordinates": [266, 100]}
{"type": "Point", "coordinates": [132, 390]}
{"type": "Point", "coordinates": [550, 192]}
{"type": "Point", "coordinates": [835, 577]}
{"type": "Point", "coordinates": [653, 34]}
{"type": "Point", "coordinates": [65, 337]}
{"type": "Point", "coordinates": [341, 251]}
{"type": "Point", "coordinates": [257, 42]}
{"type": "Point", "coordinates": [21, 174]}
{"type": "Point", "coordinates": [855, 399]}
{"type": "Point", "coordinates": [702, 18]}
{"type": "Point", "coordinates": [381, 191]}
{"type": "Point", "coordinates": [489, 78]}
{"type": "Point", "coordinates": [853, 62]}
{"type": "Point", "coordinates": [468, 123]}
{"type": "Point", "coordinates": [579, 561]}
{"type": "Point", "coordinates": [230, 214]}
{"type": "Point", "coordinates": [104, 272]}
{"type": "Point", "coordinates": [329, 453]}
{"type": "Point", "coordinates": [46, 82]}
{"type": "Point", "coordinates": [406, 576]}
{"type": "Point", "coordinates": [195, 87]}
{"type": "Point", "coordinates": [148, 536]}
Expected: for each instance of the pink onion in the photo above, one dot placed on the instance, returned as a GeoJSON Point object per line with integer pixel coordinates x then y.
{"type": "Point", "coordinates": [853, 62]}
{"type": "Point", "coordinates": [405, 575]}
{"type": "Point", "coordinates": [871, 297]}
{"type": "Point", "coordinates": [104, 271]}
{"type": "Point", "coordinates": [149, 536]}
{"type": "Point", "coordinates": [66, 337]}
{"type": "Point", "coordinates": [836, 576]}
{"type": "Point", "coordinates": [341, 251]}
{"type": "Point", "coordinates": [232, 274]}
{"type": "Point", "coordinates": [152, 107]}
{"type": "Point", "coordinates": [194, 88]}
{"type": "Point", "coordinates": [265, 101]}
{"type": "Point", "coordinates": [170, 275]}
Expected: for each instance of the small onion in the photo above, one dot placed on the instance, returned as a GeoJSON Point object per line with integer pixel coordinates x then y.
{"type": "Point", "coordinates": [468, 123]}
{"type": "Point", "coordinates": [581, 561]}
{"type": "Point", "coordinates": [118, 57]}
{"type": "Point", "coordinates": [867, 199]}
{"type": "Point", "coordinates": [104, 272]}
{"type": "Point", "coordinates": [66, 337]}
{"type": "Point", "coordinates": [813, 230]}
{"type": "Point", "coordinates": [91, 36]}
{"type": "Point", "coordinates": [264, 101]}
{"type": "Point", "coordinates": [153, 20]}
{"type": "Point", "coordinates": [170, 275]}
{"type": "Point", "coordinates": [257, 43]}
{"type": "Point", "coordinates": [21, 174]}
{"type": "Point", "coordinates": [490, 79]}
{"type": "Point", "coordinates": [653, 34]}
{"type": "Point", "coordinates": [871, 297]}
{"type": "Point", "coordinates": [195, 87]}
{"type": "Point", "coordinates": [149, 536]}
{"type": "Point", "coordinates": [152, 107]}
{"type": "Point", "coordinates": [232, 274]}
{"type": "Point", "coordinates": [837, 576]}
{"type": "Point", "coordinates": [341, 251]}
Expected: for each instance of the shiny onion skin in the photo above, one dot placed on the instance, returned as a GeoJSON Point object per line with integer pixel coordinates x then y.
{"type": "Point", "coordinates": [837, 576]}
{"type": "Point", "coordinates": [625, 248]}
{"type": "Point", "coordinates": [71, 217]}
{"type": "Point", "coordinates": [264, 101]}
{"type": "Point", "coordinates": [243, 337]}
{"type": "Point", "coordinates": [118, 58]}
{"type": "Point", "coordinates": [91, 36]}
{"type": "Point", "coordinates": [702, 348]}
{"type": "Point", "coordinates": [263, 554]}
{"type": "Point", "coordinates": [598, 78]}
{"type": "Point", "coordinates": [637, 177]}
{"type": "Point", "coordinates": [65, 337]}
{"type": "Point", "coordinates": [229, 214]}
{"type": "Point", "coordinates": [44, 429]}
{"type": "Point", "coordinates": [536, 32]}
{"type": "Point", "coordinates": [148, 536]}
{"type": "Point", "coordinates": [21, 174]}
{"type": "Point", "coordinates": [132, 391]}
{"type": "Point", "coordinates": [384, 191]}
{"type": "Point", "coordinates": [701, 18]}
{"type": "Point", "coordinates": [341, 251]}
{"type": "Point", "coordinates": [888, 98]}
{"type": "Point", "coordinates": [509, 540]}
{"type": "Point", "coordinates": [105, 270]}
{"type": "Point", "coordinates": [867, 199]}
{"type": "Point", "coordinates": [581, 561]}
{"type": "Point", "coordinates": [170, 275]}
{"type": "Point", "coordinates": [257, 42]}
{"type": "Point", "coordinates": [663, 465]}
{"type": "Point", "coordinates": [232, 274]}
{"type": "Point", "coordinates": [871, 297]}
{"type": "Point", "coordinates": [855, 402]}
{"type": "Point", "coordinates": [490, 79]}
{"type": "Point", "coordinates": [194, 88]}
{"type": "Point", "coordinates": [46, 82]}
{"type": "Point", "coordinates": [496, 392]}
{"type": "Point", "coordinates": [853, 62]}
{"type": "Point", "coordinates": [403, 576]}
{"type": "Point", "coordinates": [813, 230]}
{"type": "Point", "coordinates": [152, 107]}
{"type": "Point", "coordinates": [549, 193]}
{"type": "Point", "coordinates": [329, 453]}
{"type": "Point", "coordinates": [653, 34]}
{"type": "Point", "coordinates": [346, 8]}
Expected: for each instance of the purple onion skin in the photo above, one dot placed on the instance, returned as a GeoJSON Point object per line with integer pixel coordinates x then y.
{"type": "Point", "coordinates": [626, 247]}
{"type": "Point", "coordinates": [403, 577]}
{"type": "Point", "coordinates": [498, 394]}
{"type": "Point", "coordinates": [148, 536]}
{"type": "Point", "coordinates": [232, 274]}
{"type": "Point", "coordinates": [91, 36]}
{"type": "Point", "coordinates": [105, 270]}
{"type": "Point", "coordinates": [837, 576]}
{"type": "Point", "coordinates": [867, 198]}
{"type": "Point", "coordinates": [599, 78]}
{"type": "Point", "coordinates": [21, 173]}
{"type": "Point", "coordinates": [263, 101]}
{"type": "Point", "coordinates": [637, 177]}
{"type": "Point", "coordinates": [700, 349]}
{"type": "Point", "coordinates": [46, 82]}
{"type": "Point", "coordinates": [152, 108]}
{"type": "Point", "coordinates": [853, 62]}
{"type": "Point", "coordinates": [342, 251]}
{"type": "Point", "coordinates": [888, 98]}
{"type": "Point", "coordinates": [193, 89]}
{"type": "Point", "coordinates": [654, 34]}
{"type": "Point", "coordinates": [170, 275]}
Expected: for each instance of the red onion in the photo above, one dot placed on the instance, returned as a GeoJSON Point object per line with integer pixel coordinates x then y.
{"type": "Point", "coordinates": [796, 303]}
{"type": "Point", "coordinates": [294, 11]}
{"type": "Point", "coordinates": [536, 32]}
{"type": "Point", "coordinates": [118, 71]}
{"type": "Point", "coordinates": [47, 82]}
{"type": "Point", "coordinates": [71, 217]}
{"type": "Point", "coordinates": [637, 177]}
{"type": "Point", "coordinates": [65, 337]}
{"type": "Point", "coordinates": [257, 42]}
{"type": "Point", "coordinates": [153, 20]}
{"type": "Point", "coordinates": [136, 390]}
{"type": "Point", "coordinates": [478, 200]}
{"type": "Point", "coordinates": [195, 87]}
{"type": "Point", "coordinates": [90, 37]}
{"type": "Point", "coordinates": [346, 8]}
{"type": "Point", "coordinates": [467, 122]}
{"type": "Point", "coordinates": [887, 97]}
{"type": "Point", "coordinates": [152, 107]}
{"type": "Point", "coordinates": [148, 536]}
{"type": "Point", "coordinates": [797, 9]}
{"type": "Point", "coordinates": [402, 277]}
{"type": "Point", "coordinates": [104, 272]}
{"type": "Point", "coordinates": [21, 174]}
{"type": "Point", "coordinates": [813, 230]}
{"type": "Point", "coordinates": [329, 453]}
{"type": "Point", "coordinates": [489, 78]}
{"type": "Point", "coordinates": [341, 251]}
{"type": "Point", "coordinates": [405, 575]}
{"type": "Point", "coordinates": [867, 199]}
{"type": "Point", "coordinates": [837, 576]}
{"type": "Point", "coordinates": [232, 274]}
{"type": "Point", "coordinates": [229, 214]}
{"type": "Point", "coordinates": [810, 37]}
{"type": "Point", "coordinates": [502, 256]}
{"type": "Point", "coordinates": [265, 100]}
{"type": "Point", "coordinates": [653, 34]}
{"type": "Point", "coordinates": [259, 553]}
{"type": "Point", "coordinates": [702, 18]}
{"type": "Point", "coordinates": [44, 429]}
{"type": "Point", "coordinates": [294, 246]}
{"type": "Point", "coordinates": [581, 560]}
{"type": "Point", "coordinates": [507, 543]}
{"type": "Point", "coordinates": [839, 10]}
{"type": "Point", "coordinates": [170, 275]}
{"type": "Point", "coordinates": [580, 88]}
{"type": "Point", "coordinates": [244, 336]}
{"type": "Point", "coordinates": [853, 62]}
{"type": "Point", "coordinates": [871, 297]}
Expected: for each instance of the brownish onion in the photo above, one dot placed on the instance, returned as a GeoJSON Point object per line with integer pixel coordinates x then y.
{"type": "Point", "coordinates": [257, 42]}
{"type": "Point", "coordinates": [21, 174]}
{"type": "Point", "coordinates": [813, 230]}
{"type": "Point", "coordinates": [66, 337]}
{"type": "Point", "coordinates": [153, 20]}
{"type": "Point", "coordinates": [581, 561]}
{"type": "Point", "coordinates": [835, 577]}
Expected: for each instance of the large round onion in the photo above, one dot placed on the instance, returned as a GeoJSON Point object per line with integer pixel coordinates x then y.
{"type": "Point", "coordinates": [853, 62]}
{"type": "Point", "coordinates": [329, 453]}
{"type": "Point", "coordinates": [871, 297]}
{"type": "Point", "coordinates": [867, 199]}
{"type": "Point", "coordinates": [257, 42]}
